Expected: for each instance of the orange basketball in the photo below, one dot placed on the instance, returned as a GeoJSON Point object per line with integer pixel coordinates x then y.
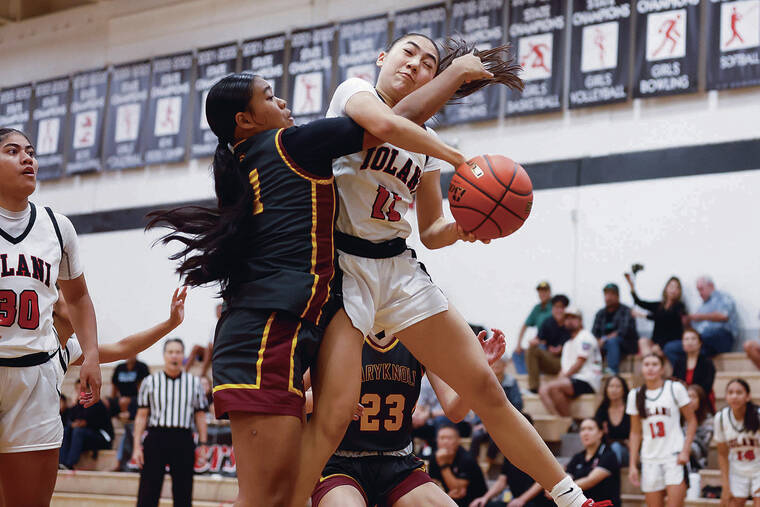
{"type": "Point", "coordinates": [491, 196]}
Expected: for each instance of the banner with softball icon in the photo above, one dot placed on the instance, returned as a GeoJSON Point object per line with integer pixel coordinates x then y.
{"type": "Point", "coordinates": [600, 35]}
{"type": "Point", "coordinates": [537, 30]}
{"type": "Point", "coordinates": [360, 41]}
{"type": "Point", "coordinates": [85, 132]}
{"type": "Point", "coordinates": [213, 64]}
{"type": "Point", "coordinates": [310, 76]}
{"type": "Point", "coordinates": [429, 20]}
{"type": "Point", "coordinates": [480, 23]}
{"type": "Point", "coordinates": [667, 47]}
{"type": "Point", "coordinates": [127, 104]}
{"type": "Point", "coordinates": [733, 44]}
{"type": "Point", "coordinates": [265, 57]}
{"type": "Point", "coordinates": [50, 108]}
{"type": "Point", "coordinates": [168, 123]}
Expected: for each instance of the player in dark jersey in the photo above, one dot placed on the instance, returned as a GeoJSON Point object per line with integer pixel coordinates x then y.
{"type": "Point", "coordinates": [269, 244]}
{"type": "Point", "coordinates": [374, 464]}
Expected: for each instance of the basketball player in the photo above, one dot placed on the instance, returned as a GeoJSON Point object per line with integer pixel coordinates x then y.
{"type": "Point", "coordinates": [385, 287]}
{"type": "Point", "coordinates": [37, 249]}
{"type": "Point", "coordinates": [737, 432]}
{"type": "Point", "coordinates": [269, 243]}
{"type": "Point", "coordinates": [374, 463]}
{"type": "Point", "coordinates": [655, 409]}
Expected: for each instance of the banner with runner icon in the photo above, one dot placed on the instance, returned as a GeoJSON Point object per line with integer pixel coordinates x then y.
{"type": "Point", "coordinates": [537, 30]}
{"type": "Point", "coordinates": [50, 109]}
{"type": "Point", "coordinates": [599, 70]}
{"type": "Point", "coordinates": [85, 132]}
{"type": "Point", "coordinates": [667, 47]}
{"type": "Point", "coordinates": [733, 44]}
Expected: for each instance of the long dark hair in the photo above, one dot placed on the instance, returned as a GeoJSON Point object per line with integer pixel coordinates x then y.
{"type": "Point", "coordinates": [210, 235]}
{"type": "Point", "coordinates": [6, 131]}
{"type": "Point", "coordinates": [751, 417]}
{"type": "Point", "coordinates": [641, 393]}
{"type": "Point", "coordinates": [664, 290]}
{"type": "Point", "coordinates": [605, 404]}
{"type": "Point", "coordinates": [703, 409]}
{"type": "Point", "coordinates": [498, 61]}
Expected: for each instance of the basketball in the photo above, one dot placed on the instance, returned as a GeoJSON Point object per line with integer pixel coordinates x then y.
{"type": "Point", "coordinates": [490, 196]}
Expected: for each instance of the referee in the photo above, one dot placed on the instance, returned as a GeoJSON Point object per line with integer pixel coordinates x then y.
{"type": "Point", "coordinates": [167, 402]}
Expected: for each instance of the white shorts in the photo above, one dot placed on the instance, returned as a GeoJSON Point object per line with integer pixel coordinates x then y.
{"type": "Point", "coordinates": [388, 294]}
{"type": "Point", "coordinates": [744, 486]}
{"type": "Point", "coordinates": [655, 476]}
{"type": "Point", "coordinates": [30, 408]}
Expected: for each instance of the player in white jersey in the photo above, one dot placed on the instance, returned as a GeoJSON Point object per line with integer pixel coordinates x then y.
{"type": "Point", "coordinates": [737, 432]}
{"type": "Point", "coordinates": [655, 409]}
{"type": "Point", "coordinates": [383, 284]}
{"type": "Point", "coordinates": [37, 249]}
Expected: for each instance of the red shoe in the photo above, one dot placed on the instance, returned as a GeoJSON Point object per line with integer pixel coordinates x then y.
{"type": "Point", "coordinates": [602, 503]}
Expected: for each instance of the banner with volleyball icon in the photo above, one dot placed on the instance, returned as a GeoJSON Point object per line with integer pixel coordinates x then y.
{"type": "Point", "coordinates": [537, 30]}
{"type": "Point", "coordinates": [213, 64]}
{"type": "Point", "coordinates": [733, 44]}
{"type": "Point", "coordinates": [360, 41]}
{"type": "Point", "coordinates": [599, 69]}
{"type": "Point", "coordinates": [168, 122]}
{"type": "Point", "coordinates": [50, 108]}
{"type": "Point", "coordinates": [127, 103]}
{"type": "Point", "coordinates": [667, 47]}
{"type": "Point", "coordinates": [310, 75]}
{"type": "Point", "coordinates": [480, 23]}
{"type": "Point", "coordinates": [85, 132]}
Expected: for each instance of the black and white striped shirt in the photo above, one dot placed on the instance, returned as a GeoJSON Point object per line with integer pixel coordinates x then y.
{"type": "Point", "coordinates": [172, 401]}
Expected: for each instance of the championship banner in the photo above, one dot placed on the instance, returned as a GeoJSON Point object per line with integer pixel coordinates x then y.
{"type": "Point", "coordinates": [127, 104]}
{"type": "Point", "coordinates": [733, 44]}
{"type": "Point", "coordinates": [165, 138]}
{"type": "Point", "coordinates": [480, 22]}
{"type": "Point", "coordinates": [49, 110]}
{"type": "Point", "coordinates": [601, 34]}
{"type": "Point", "coordinates": [310, 72]}
{"type": "Point", "coordinates": [537, 30]}
{"type": "Point", "coordinates": [266, 57]}
{"type": "Point", "coordinates": [88, 102]}
{"type": "Point", "coordinates": [429, 20]}
{"type": "Point", "coordinates": [359, 44]}
{"type": "Point", "coordinates": [213, 64]}
{"type": "Point", "coordinates": [667, 47]}
{"type": "Point", "coordinates": [15, 108]}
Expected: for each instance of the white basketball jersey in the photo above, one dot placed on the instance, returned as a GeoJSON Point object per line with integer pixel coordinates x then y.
{"type": "Point", "coordinates": [743, 446]}
{"type": "Point", "coordinates": [662, 436]}
{"type": "Point", "coordinates": [377, 186]}
{"type": "Point", "coordinates": [29, 265]}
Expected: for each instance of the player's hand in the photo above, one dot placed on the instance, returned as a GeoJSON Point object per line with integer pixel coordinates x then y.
{"type": "Point", "coordinates": [725, 497]}
{"type": "Point", "coordinates": [90, 381]}
{"type": "Point", "coordinates": [444, 457]}
{"type": "Point", "coordinates": [471, 67]}
{"type": "Point", "coordinates": [358, 411]}
{"type": "Point", "coordinates": [495, 347]}
{"type": "Point", "coordinates": [469, 237]}
{"type": "Point", "coordinates": [177, 308]}
{"type": "Point", "coordinates": [683, 457]}
{"type": "Point", "coordinates": [137, 456]}
{"type": "Point", "coordinates": [633, 476]}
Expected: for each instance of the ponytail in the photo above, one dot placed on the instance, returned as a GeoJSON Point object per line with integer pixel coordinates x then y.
{"type": "Point", "coordinates": [498, 61]}
{"type": "Point", "coordinates": [213, 237]}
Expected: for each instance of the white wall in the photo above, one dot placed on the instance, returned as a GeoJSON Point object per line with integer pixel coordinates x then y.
{"type": "Point", "coordinates": [686, 226]}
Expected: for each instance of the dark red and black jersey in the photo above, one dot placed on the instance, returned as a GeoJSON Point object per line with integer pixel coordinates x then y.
{"type": "Point", "coordinates": [390, 387]}
{"type": "Point", "coordinates": [288, 242]}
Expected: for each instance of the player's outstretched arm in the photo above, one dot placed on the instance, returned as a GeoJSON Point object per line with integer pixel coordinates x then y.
{"type": "Point", "coordinates": [82, 315]}
{"type": "Point", "coordinates": [136, 343]}
{"type": "Point", "coordinates": [453, 405]}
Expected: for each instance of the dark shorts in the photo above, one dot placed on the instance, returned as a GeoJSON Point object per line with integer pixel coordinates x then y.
{"type": "Point", "coordinates": [259, 360]}
{"type": "Point", "coordinates": [381, 480]}
{"type": "Point", "coordinates": [580, 387]}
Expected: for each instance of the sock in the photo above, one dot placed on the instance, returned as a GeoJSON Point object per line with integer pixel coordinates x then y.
{"type": "Point", "coordinates": [567, 494]}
